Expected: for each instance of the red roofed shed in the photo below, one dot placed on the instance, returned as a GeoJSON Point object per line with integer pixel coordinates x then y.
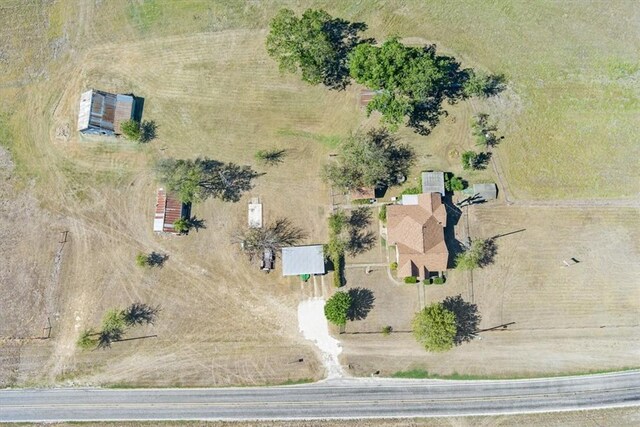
{"type": "Point", "coordinates": [169, 209]}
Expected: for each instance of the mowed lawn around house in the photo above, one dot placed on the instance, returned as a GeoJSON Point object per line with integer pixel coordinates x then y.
{"type": "Point", "coordinates": [568, 119]}
{"type": "Point", "coordinates": [560, 320]}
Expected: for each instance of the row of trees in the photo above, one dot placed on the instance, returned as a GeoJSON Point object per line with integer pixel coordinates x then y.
{"type": "Point", "coordinates": [115, 324]}
{"type": "Point", "coordinates": [348, 233]}
{"type": "Point", "coordinates": [411, 83]}
{"type": "Point", "coordinates": [484, 132]}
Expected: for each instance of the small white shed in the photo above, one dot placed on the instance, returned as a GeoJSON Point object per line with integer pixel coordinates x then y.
{"type": "Point", "coordinates": [255, 213]}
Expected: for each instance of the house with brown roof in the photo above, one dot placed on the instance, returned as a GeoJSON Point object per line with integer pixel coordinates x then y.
{"type": "Point", "coordinates": [169, 209]}
{"type": "Point", "coordinates": [416, 228]}
{"type": "Point", "coordinates": [102, 113]}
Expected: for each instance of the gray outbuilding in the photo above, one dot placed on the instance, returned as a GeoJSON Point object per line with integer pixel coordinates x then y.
{"type": "Point", "coordinates": [433, 182]}
{"type": "Point", "coordinates": [297, 260]}
{"type": "Point", "coordinates": [102, 113]}
{"type": "Point", "coordinates": [486, 191]}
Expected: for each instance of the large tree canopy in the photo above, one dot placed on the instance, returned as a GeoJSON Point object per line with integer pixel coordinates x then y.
{"type": "Point", "coordinates": [370, 160]}
{"type": "Point", "coordinates": [201, 178]}
{"type": "Point", "coordinates": [337, 308]}
{"type": "Point", "coordinates": [254, 241]}
{"type": "Point", "coordinates": [411, 81]}
{"type": "Point", "coordinates": [316, 44]}
{"type": "Point", "coordinates": [478, 255]}
{"type": "Point", "coordinates": [435, 327]}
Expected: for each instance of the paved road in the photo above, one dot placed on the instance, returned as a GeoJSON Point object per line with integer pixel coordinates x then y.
{"type": "Point", "coordinates": [344, 398]}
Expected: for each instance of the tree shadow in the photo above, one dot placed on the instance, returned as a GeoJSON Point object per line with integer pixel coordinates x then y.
{"type": "Point", "coordinates": [425, 115]}
{"type": "Point", "coordinates": [360, 242]}
{"type": "Point", "coordinates": [156, 259]}
{"type": "Point", "coordinates": [454, 246]}
{"type": "Point", "coordinates": [494, 84]}
{"type": "Point", "coordinates": [344, 37]}
{"type": "Point", "coordinates": [489, 252]}
{"type": "Point", "coordinates": [481, 160]}
{"type": "Point", "coordinates": [361, 303]}
{"type": "Point", "coordinates": [360, 218]}
{"type": "Point", "coordinates": [197, 223]}
{"type": "Point", "coordinates": [467, 318]}
{"type": "Point", "coordinates": [271, 157]}
{"type": "Point", "coordinates": [148, 131]}
{"type": "Point", "coordinates": [139, 313]}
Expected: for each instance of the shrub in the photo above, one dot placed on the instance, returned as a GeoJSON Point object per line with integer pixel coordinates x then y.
{"type": "Point", "coordinates": [438, 280]}
{"type": "Point", "coordinates": [480, 253]}
{"type": "Point", "coordinates": [411, 279]}
{"type": "Point", "coordinates": [337, 221]}
{"type": "Point", "coordinates": [131, 129]}
{"type": "Point", "coordinates": [427, 281]}
{"type": "Point", "coordinates": [337, 307]}
{"type": "Point", "coordinates": [87, 339]}
{"type": "Point", "coordinates": [393, 266]}
{"type": "Point", "coordinates": [484, 85]}
{"type": "Point", "coordinates": [455, 183]}
{"type": "Point", "coordinates": [386, 330]}
{"type": "Point", "coordinates": [361, 202]}
{"type": "Point", "coordinates": [142, 260]}
{"type": "Point", "coordinates": [270, 157]}
{"type": "Point", "coordinates": [412, 190]}
{"type": "Point", "coordinates": [182, 225]}
{"type": "Point", "coordinates": [338, 271]}
{"type": "Point", "coordinates": [469, 160]}
{"type": "Point", "coordinates": [382, 215]}
{"type": "Point", "coordinates": [113, 320]}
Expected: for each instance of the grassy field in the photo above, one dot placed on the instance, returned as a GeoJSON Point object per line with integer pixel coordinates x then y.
{"type": "Point", "coordinates": [561, 320]}
{"type": "Point", "coordinates": [569, 118]}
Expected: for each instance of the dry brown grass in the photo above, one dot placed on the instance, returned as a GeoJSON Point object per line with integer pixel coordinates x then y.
{"type": "Point", "coordinates": [619, 417]}
{"type": "Point", "coordinates": [567, 319]}
{"type": "Point", "coordinates": [207, 82]}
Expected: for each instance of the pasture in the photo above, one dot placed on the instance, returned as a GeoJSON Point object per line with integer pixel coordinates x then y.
{"type": "Point", "coordinates": [569, 119]}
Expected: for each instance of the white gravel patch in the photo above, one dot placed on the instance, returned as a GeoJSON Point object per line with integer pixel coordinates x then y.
{"type": "Point", "coordinates": [313, 325]}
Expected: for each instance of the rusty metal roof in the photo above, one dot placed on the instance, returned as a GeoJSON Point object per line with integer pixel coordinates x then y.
{"type": "Point", "coordinates": [169, 209]}
{"type": "Point", "coordinates": [104, 111]}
